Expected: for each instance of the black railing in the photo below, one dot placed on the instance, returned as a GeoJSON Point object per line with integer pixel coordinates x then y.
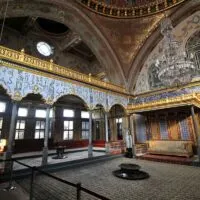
{"type": "Point", "coordinates": [35, 170]}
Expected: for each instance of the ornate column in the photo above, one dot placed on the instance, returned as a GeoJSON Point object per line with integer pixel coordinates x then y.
{"type": "Point", "coordinates": [90, 147]}
{"type": "Point", "coordinates": [11, 135]}
{"type": "Point", "coordinates": [106, 132]}
{"type": "Point", "coordinates": [196, 129]}
{"type": "Point", "coordinates": [46, 137]}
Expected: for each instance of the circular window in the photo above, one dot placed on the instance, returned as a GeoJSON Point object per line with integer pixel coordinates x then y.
{"type": "Point", "coordinates": [44, 48]}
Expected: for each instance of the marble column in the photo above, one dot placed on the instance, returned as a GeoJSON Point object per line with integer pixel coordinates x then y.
{"type": "Point", "coordinates": [106, 131]}
{"type": "Point", "coordinates": [11, 135]}
{"type": "Point", "coordinates": [196, 129]}
{"type": "Point", "coordinates": [133, 134]}
{"type": "Point", "coordinates": [90, 147]}
{"type": "Point", "coordinates": [46, 137]}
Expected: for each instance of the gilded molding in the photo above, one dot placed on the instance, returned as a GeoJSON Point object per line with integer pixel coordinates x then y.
{"type": "Point", "coordinates": [127, 11]}
{"type": "Point", "coordinates": [50, 67]}
{"type": "Point", "coordinates": [183, 100]}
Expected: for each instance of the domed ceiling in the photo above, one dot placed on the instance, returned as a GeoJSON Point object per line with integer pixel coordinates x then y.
{"type": "Point", "coordinates": [96, 36]}
{"type": "Point", "coordinates": [129, 8]}
{"type": "Point", "coordinates": [48, 39]}
{"type": "Point", "coordinates": [128, 3]}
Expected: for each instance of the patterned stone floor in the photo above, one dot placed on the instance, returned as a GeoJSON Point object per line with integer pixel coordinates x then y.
{"type": "Point", "coordinates": [17, 194]}
{"type": "Point", "coordinates": [166, 182]}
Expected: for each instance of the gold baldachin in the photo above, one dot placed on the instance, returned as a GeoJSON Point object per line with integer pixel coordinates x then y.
{"type": "Point", "coordinates": [128, 12]}
{"type": "Point", "coordinates": [50, 67]}
{"type": "Point", "coordinates": [183, 100]}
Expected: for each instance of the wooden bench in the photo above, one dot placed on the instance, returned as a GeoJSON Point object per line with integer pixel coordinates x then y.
{"type": "Point", "coordinates": [170, 147]}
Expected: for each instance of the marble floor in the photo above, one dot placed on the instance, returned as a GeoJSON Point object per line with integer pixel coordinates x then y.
{"type": "Point", "coordinates": [166, 182]}
{"type": "Point", "coordinates": [70, 155]}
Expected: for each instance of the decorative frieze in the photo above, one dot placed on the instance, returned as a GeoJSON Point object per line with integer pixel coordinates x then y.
{"type": "Point", "coordinates": [18, 83]}
{"type": "Point", "coordinates": [50, 67]}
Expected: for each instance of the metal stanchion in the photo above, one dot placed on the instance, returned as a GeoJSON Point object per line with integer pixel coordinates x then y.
{"type": "Point", "coordinates": [10, 185]}
{"type": "Point", "coordinates": [32, 180]}
{"type": "Point", "coordinates": [78, 187]}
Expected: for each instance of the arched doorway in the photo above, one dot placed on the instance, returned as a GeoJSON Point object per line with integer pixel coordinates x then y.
{"type": "Point", "coordinates": [99, 133]}
{"type": "Point", "coordinates": [71, 122]}
{"type": "Point", "coordinates": [117, 122]}
{"type": "Point", "coordinates": [30, 124]}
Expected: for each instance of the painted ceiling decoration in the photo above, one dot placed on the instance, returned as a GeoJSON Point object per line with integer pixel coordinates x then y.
{"type": "Point", "coordinates": [48, 39]}
{"type": "Point", "coordinates": [129, 8]}
{"type": "Point", "coordinates": [187, 33]}
{"type": "Point", "coordinates": [83, 40]}
{"type": "Point", "coordinates": [114, 49]}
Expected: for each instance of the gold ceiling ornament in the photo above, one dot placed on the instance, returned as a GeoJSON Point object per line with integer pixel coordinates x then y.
{"type": "Point", "coordinates": [128, 11]}
{"type": "Point", "coordinates": [52, 68]}
{"type": "Point", "coordinates": [183, 100]}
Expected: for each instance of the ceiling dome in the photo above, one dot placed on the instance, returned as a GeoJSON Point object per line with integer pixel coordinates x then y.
{"type": "Point", "coordinates": [129, 3]}
{"type": "Point", "coordinates": [128, 8]}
